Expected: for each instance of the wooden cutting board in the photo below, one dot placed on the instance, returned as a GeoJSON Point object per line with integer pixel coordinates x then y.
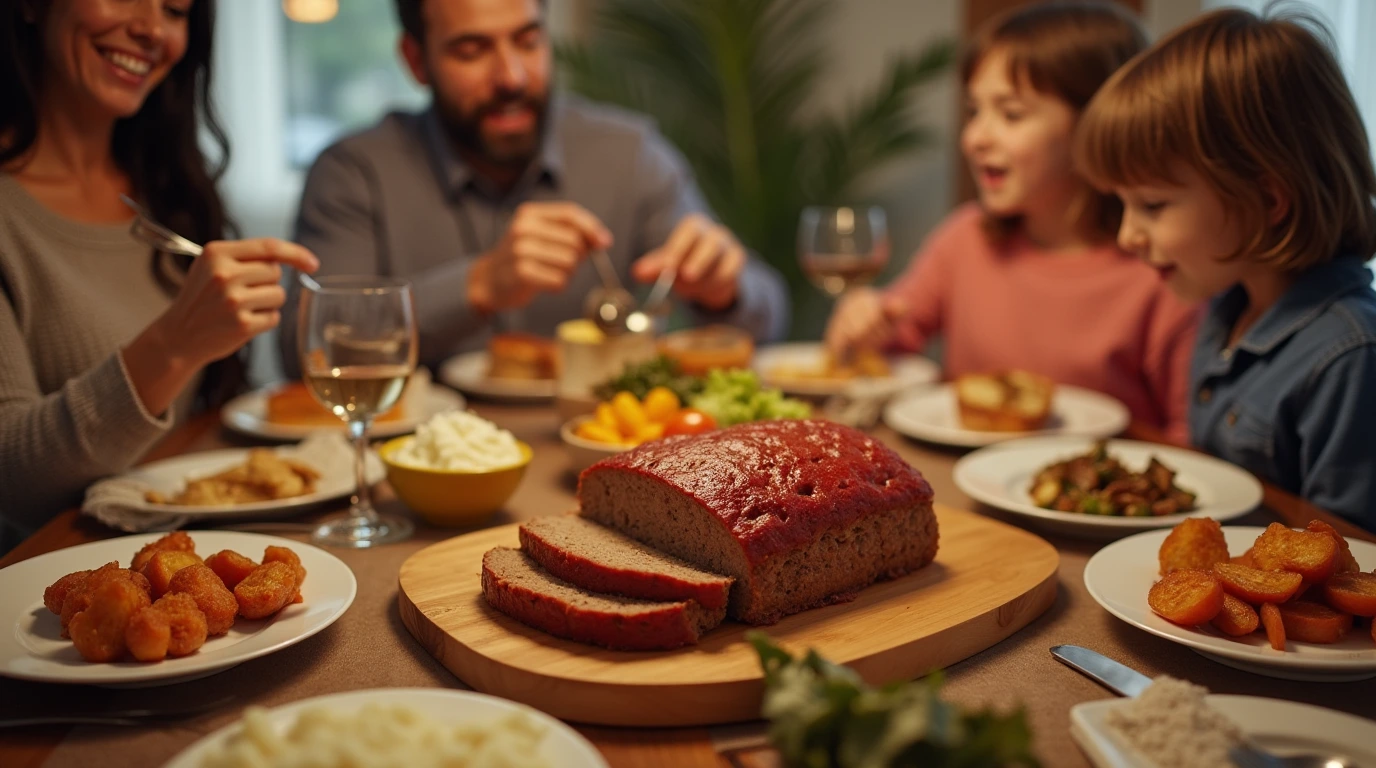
{"type": "Point", "coordinates": [988, 581]}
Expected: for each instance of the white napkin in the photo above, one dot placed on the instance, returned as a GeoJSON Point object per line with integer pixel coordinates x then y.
{"type": "Point", "coordinates": [119, 501]}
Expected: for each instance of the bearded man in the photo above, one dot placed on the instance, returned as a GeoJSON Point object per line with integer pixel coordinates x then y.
{"type": "Point", "coordinates": [491, 200]}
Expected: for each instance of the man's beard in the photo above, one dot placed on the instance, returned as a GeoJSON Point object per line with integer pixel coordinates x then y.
{"type": "Point", "coordinates": [465, 129]}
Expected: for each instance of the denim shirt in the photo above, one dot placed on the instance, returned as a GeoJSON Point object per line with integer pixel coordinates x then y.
{"type": "Point", "coordinates": [1295, 401]}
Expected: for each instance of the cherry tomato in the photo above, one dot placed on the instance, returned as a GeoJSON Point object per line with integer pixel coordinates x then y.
{"type": "Point", "coordinates": [690, 421]}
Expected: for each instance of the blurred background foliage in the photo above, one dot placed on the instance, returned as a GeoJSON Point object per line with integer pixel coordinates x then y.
{"type": "Point", "coordinates": [730, 83]}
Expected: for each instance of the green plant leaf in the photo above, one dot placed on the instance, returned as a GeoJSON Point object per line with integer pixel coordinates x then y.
{"type": "Point", "coordinates": [729, 83]}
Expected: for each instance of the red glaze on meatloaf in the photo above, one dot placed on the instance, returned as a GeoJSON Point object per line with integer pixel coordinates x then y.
{"type": "Point", "coordinates": [516, 585]}
{"type": "Point", "coordinates": [801, 513]}
{"type": "Point", "coordinates": [600, 559]}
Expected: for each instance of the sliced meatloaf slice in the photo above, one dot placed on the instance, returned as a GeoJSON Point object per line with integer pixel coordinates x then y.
{"type": "Point", "coordinates": [516, 585]}
{"type": "Point", "coordinates": [800, 513]}
{"type": "Point", "coordinates": [600, 559]}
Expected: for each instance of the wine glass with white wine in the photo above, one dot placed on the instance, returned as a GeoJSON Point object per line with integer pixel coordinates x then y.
{"type": "Point", "coordinates": [841, 248]}
{"type": "Point", "coordinates": [358, 349]}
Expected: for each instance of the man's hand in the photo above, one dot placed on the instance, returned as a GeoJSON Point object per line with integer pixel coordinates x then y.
{"type": "Point", "coordinates": [542, 246]}
{"type": "Point", "coordinates": [709, 262]}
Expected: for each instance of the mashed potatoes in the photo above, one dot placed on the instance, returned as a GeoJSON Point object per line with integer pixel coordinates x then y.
{"type": "Point", "coordinates": [459, 441]}
{"type": "Point", "coordinates": [379, 736]}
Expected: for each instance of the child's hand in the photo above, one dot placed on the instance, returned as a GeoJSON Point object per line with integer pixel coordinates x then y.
{"type": "Point", "coordinates": [863, 317]}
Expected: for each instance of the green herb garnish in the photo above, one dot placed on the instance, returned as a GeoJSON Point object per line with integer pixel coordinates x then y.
{"type": "Point", "coordinates": [640, 378]}
{"type": "Point", "coordinates": [823, 715]}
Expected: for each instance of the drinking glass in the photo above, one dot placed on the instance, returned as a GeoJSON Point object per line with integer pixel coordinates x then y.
{"type": "Point", "coordinates": [358, 348]}
{"type": "Point", "coordinates": [840, 248]}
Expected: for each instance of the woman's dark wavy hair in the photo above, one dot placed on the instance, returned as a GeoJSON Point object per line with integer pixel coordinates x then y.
{"type": "Point", "coordinates": [158, 147]}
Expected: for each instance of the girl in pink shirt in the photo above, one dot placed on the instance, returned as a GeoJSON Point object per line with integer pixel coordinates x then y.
{"type": "Point", "coordinates": [1031, 277]}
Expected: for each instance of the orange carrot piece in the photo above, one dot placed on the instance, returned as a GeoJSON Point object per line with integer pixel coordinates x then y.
{"type": "Point", "coordinates": [1275, 627]}
{"type": "Point", "coordinates": [1237, 618]}
{"type": "Point", "coordinates": [1353, 593]}
{"type": "Point", "coordinates": [1187, 597]}
{"type": "Point", "coordinates": [1255, 586]}
{"type": "Point", "coordinates": [1314, 622]}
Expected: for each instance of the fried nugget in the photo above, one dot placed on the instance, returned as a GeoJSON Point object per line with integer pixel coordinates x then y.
{"type": "Point", "coordinates": [99, 631]}
{"type": "Point", "coordinates": [267, 590]}
{"type": "Point", "coordinates": [162, 566]}
{"type": "Point", "coordinates": [79, 599]}
{"type": "Point", "coordinates": [211, 596]}
{"type": "Point", "coordinates": [1345, 562]}
{"type": "Point", "coordinates": [1195, 544]}
{"type": "Point", "coordinates": [185, 620]}
{"type": "Point", "coordinates": [231, 566]}
{"type": "Point", "coordinates": [284, 555]}
{"type": "Point", "coordinates": [1310, 554]}
{"type": "Point", "coordinates": [177, 541]}
{"type": "Point", "coordinates": [148, 634]}
{"type": "Point", "coordinates": [56, 594]}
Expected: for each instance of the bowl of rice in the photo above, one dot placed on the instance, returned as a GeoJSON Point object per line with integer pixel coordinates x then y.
{"type": "Point", "coordinates": [457, 470]}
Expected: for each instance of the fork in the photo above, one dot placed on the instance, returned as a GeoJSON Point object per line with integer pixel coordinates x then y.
{"type": "Point", "coordinates": [1247, 756]}
{"type": "Point", "coordinates": [117, 717]}
{"type": "Point", "coordinates": [147, 230]}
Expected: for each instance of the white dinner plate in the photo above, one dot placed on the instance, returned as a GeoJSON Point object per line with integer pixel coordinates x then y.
{"type": "Point", "coordinates": [248, 413]}
{"type": "Point", "coordinates": [1283, 727]}
{"type": "Point", "coordinates": [31, 649]}
{"type": "Point", "coordinates": [169, 477]}
{"type": "Point", "coordinates": [560, 746]}
{"type": "Point", "coordinates": [1000, 476]}
{"type": "Point", "coordinates": [468, 373]}
{"type": "Point", "coordinates": [1120, 574]}
{"type": "Point", "coordinates": [930, 414]}
{"type": "Point", "coordinates": [905, 370]}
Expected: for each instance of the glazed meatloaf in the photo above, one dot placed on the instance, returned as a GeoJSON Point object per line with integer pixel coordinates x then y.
{"type": "Point", "coordinates": [516, 585]}
{"type": "Point", "coordinates": [800, 513]}
{"type": "Point", "coordinates": [600, 559]}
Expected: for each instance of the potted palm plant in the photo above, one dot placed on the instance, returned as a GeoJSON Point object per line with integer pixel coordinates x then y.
{"type": "Point", "coordinates": [729, 82]}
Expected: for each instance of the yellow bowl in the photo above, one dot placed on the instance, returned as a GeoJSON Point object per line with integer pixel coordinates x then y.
{"type": "Point", "coordinates": [452, 498]}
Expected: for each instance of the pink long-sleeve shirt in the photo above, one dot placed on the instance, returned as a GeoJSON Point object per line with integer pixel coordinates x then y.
{"type": "Point", "coordinates": [1102, 320]}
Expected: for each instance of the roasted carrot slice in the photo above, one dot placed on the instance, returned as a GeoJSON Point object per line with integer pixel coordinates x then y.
{"type": "Point", "coordinates": [1345, 563]}
{"type": "Point", "coordinates": [1188, 597]}
{"type": "Point", "coordinates": [1311, 555]}
{"type": "Point", "coordinates": [1243, 559]}
{"type": "Point", "coordinates": [1314, 622]}
{"type": "Point", "coordinates": [1196, 543]}
{"type": "Point", "coordinates": [1275, 627]}
{"type": "Point", "coordinates": [1237, 618]}
{"type": "Point", "coordinates": [1353, 593]}
{"type": "Point", "coordinates": [1257, 587]}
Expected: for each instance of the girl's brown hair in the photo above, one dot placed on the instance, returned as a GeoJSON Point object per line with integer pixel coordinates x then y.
{"type": "Point", "coordinates": [1259, 108]}
{"type": "Point", "coordinates": [1066, 50]}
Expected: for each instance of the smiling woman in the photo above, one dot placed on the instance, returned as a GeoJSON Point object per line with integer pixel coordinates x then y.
{"type": "Point", "coordinates": [105, 342]}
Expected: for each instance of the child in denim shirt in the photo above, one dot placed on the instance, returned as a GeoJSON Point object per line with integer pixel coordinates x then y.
{"type": "Point", "coordinates": [1246, 176]}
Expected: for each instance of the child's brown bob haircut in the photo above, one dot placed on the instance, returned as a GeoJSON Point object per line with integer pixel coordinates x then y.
{"type": "Point", "coordinates": [1259, 108]}
{"type": "Point", "coordinates": [1066, 50]}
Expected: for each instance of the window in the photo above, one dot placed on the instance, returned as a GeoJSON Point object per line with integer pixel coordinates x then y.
{"type": "Point", "coordinates": [1352, 25]}
{"type": "Point", "coordinates": [342, 75]}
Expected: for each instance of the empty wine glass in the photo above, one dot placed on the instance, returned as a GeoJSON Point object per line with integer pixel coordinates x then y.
{"type": "Point", "coordinates": [839, 248]}
{"type": "Point", "coordinates": [358, 349]}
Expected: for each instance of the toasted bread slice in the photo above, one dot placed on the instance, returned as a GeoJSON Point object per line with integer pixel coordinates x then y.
{"type": "Point", "coordinates": [1010, 401]}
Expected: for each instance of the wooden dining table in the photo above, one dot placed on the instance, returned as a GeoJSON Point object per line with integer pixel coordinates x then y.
{"type": "Point", "coordinates": [370, 648]}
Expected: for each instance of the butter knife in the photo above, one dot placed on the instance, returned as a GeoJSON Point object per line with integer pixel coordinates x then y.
{"type": "Point", "coordinates": [1119, 678]}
